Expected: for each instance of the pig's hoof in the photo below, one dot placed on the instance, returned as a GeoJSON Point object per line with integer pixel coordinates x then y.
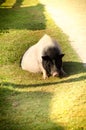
{"type": "Point", "coordinates": [45, 76]}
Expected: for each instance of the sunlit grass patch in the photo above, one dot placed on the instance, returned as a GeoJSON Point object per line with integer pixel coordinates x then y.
{"type": "Point", "coordinates": [68, 105]}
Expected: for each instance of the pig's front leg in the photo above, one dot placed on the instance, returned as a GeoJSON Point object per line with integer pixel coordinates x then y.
{"type": "Point", "coordinates": [44, 73]}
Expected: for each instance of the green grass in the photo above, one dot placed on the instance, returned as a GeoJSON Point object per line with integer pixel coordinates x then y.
{"type": "Point", "coordinates": [27, 102]}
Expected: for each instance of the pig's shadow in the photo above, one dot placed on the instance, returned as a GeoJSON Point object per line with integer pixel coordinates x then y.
{"type": "Point", "coordinates": [71, 68]}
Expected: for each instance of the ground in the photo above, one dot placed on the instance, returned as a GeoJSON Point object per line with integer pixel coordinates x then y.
{"type": "Point", "coordinates": [27, 102]}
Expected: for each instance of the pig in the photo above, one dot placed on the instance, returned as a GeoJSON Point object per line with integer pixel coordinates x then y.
{"type": "Point", "coordinates": [45, 57]}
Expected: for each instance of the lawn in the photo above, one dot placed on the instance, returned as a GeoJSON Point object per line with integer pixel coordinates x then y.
{"type": "Point", "coordinates": [27, 102]}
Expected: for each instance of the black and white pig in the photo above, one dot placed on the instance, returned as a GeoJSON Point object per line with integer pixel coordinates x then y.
{"type": "Point", "coordinates": [45, 57]}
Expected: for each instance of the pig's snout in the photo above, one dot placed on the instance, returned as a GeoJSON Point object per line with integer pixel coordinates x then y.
{"type": "Point", "coordinates": [55, 74]}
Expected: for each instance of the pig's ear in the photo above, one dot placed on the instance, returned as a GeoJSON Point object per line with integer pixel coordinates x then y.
{"type": "Point", "coordinates": [61, 55]}
{"type": "Point", "coordinates": [45, 57]}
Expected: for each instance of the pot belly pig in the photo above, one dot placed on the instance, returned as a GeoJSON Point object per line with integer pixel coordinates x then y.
{"type": "Point", "coordinates": [45, 57]}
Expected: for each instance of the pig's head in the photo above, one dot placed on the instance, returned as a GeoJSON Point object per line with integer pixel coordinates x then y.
{"type": "Point", "coordinates": [53, 65]}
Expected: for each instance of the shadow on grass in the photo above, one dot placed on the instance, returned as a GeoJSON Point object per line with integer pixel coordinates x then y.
{"type": "Point", "coordinates": [30, 110]}
{"type": "Point", "coordinates": [2, 1]}
{"type": "Point", "coordinates": [30, 18]}
{"type": "Point", "coordinates": [26, 111]}
{"type": "Point", "coordinates": [72, 68]}
{"type": "Point", "coordinates": [43, 84]}
{"type": "Point", "coordinates": [18, 3]}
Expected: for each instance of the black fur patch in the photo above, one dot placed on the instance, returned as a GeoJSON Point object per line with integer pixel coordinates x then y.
{"type": "Point", "coordinates": [52, 60]}
{"type": "Point", "coordinates": [47, 64]}
{"type": "Point", "coordinates": [52, 52]}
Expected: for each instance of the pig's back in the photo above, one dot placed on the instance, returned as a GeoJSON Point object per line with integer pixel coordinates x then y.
{"type": "Point", "coordinates": [30, 60]}
{"type": "Point", "coordinates": [47, 42]}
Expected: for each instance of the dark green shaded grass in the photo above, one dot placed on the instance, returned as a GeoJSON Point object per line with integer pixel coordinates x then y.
{"type": "Point", "coordinates": [27, 102]}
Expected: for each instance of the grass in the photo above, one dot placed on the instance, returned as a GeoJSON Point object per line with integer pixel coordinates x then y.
{"type": "Point", "coordinates": [27, 102]}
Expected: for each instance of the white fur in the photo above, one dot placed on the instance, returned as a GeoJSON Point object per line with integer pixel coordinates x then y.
{"type": "Point", "coordinates": [32, 59]}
